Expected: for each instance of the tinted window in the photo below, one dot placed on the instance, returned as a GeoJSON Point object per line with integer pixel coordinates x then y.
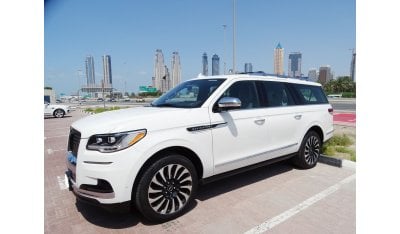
{"type": "Point", "coordinates": [275, 94]}
{"type": "Point", "coordinates": [309, 94]}
{"type": "Point", "coordinates": [246, 92]}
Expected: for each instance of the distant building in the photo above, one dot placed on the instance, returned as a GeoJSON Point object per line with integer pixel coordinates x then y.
{"type": "Point", "coordinates": [248, 67]}
{"type": "Point", "coordinates": [160, 72]}
{"type": "Point", "coordinates": [175, 70]}
{"type": "Point", "coordinates": [165, 81]}
{"type": "Point", "coordinates": [278, 59]}
{"type": "Point", "coordinates": [294, 69]}
{"type": "Point", "coordinates": [90, 75]}
{"type": "Point", "coordinates": [215, 65]}
{"type": "Point", "coordinates": [353, 67]}
{"type": "Point", "coordinates": [325, 74]}
{"type": "Point", "coordinates": [313, 75]}
{"type": "Point", "coordinates": [107, 70]}
{"type": "Point", "coordinates": [205, 64]}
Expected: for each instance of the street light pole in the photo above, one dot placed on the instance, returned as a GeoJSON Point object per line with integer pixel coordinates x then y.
{"type": "Point", "coordinates": [234, 37]}
{"type": "Point", "coordinates": [224, 48]}
{"type": "Point", "coordinates": [79, 71]}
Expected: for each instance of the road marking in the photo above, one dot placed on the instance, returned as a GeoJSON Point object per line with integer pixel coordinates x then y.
{"type": "Point", "coordinates": [55, 136]}
{"type": "Point", "coordinates": [272, 222]}
{"type": "Point", "coordinates": [50, 151]}
{"type": "Point", "coordinates": [62, 182]}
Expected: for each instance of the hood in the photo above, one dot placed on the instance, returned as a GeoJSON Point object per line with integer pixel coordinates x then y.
{"type": "Point", "coordinates": [150, 118]}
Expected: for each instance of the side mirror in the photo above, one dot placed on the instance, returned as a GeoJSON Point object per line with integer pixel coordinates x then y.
{"type": "Point", "coordinates": [229, 103]}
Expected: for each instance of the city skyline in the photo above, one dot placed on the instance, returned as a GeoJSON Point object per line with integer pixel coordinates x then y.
{"type": "Point", "coordinates": [279, 54]}
{"type": "Point", "coordinates": [132, 36]}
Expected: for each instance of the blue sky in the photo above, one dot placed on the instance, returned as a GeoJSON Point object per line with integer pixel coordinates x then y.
{"type": "Point", "coordinates": [131, 31]}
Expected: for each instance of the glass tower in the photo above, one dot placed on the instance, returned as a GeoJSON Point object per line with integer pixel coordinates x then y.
{"type": "Point", "coordinates": [175, 69]}
{"type": "Point", "coordinates": [107, 71]}
{"type": "Point", "coordinates": [215, 65]}
{"type": "Point", "coordinates": [205, 64]}
{"type": "Point", "coordinates": [294, 69]}
{"type": "Point", "coordinates": [90, 77]}
{"type": "Point", "coordinates": [248, 67]}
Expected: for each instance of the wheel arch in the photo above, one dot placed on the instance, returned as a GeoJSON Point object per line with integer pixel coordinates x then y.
{"type": "Point", "coordinates": [57, 109]}
{"type": "Point", "coordinates": [318, 130]}
{"type": "Point", "coordinates": [184, 151]}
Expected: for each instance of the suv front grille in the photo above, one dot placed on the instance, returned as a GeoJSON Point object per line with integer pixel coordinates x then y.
{"type": "Point", "coordinates": [73, 141]}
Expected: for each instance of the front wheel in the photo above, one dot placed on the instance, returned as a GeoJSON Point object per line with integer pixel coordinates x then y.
{"type": "Point", "coordinates": [166, 188]}
{"type": "Point", "coordinates": [59, 113]}
{"type": "Point", "coordinates": [309, 152]}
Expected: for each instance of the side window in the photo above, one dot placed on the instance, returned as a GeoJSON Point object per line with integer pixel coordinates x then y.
{"type": "Point", "coordinates": [276, 94]}
{"type": "Point", "coordinates": [309, 94]}
{"type": "Point", "coordinates": [246, 92]}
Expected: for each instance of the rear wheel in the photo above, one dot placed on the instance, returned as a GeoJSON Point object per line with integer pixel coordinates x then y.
{"type": "Point", "coordinates": [59, 113]}
{"type": "Point", "coordinates": [309, 152]}
{"type": "Point", "coordinates": [166, 188]}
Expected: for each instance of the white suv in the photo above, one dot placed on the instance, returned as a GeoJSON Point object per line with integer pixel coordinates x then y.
{"type": "Point", "coordinates": [154, 157]}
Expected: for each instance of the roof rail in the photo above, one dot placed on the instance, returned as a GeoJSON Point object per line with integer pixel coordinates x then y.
{"type": "Point", "coordinates": [261, 73]}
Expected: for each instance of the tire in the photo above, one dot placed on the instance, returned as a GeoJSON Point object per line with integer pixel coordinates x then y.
{"type": "Point", "coordinates": [59, 113]}
{"type": "Point", "coordinates": [309, 152]}
{"type": "Point", "coordinates": [166, 188]}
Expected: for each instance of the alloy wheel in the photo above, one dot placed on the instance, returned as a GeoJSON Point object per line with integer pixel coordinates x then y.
{"type": "Point", "coordinates": [170, 189]}
{"type": "Point", "coordinates": [311, 150]}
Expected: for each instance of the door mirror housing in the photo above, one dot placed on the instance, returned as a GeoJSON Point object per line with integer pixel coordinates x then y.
{"type": "Point", "coordinates": [229, 103]}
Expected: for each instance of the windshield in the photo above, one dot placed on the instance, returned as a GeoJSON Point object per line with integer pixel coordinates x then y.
{"type": "Point", "coordinates": [190, 94]}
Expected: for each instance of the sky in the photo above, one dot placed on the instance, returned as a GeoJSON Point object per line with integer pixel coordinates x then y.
{"type": "Point", "coordinates": [131, 31]}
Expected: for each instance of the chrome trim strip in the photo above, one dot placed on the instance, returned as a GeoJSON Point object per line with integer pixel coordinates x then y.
{"type": "Point", "coordinates": [205, 127]}
{"type": "Point", "coordinates": [101, 163]}
{"type": "Point", "coordinates": [255, 155]}
{"type": "Point", "coordinates": [330, 132]}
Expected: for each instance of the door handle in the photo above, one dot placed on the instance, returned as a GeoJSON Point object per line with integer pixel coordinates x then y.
{"type": "Point", "coordinates": [259, 121]}
{"type": "Point", "coordinates": [297, 117]}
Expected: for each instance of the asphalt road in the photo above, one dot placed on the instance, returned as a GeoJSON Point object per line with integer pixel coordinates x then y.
{"type": "Point", "coordinates": [343, 104]}
{"type": "Point", "coordinates": [278, 198]}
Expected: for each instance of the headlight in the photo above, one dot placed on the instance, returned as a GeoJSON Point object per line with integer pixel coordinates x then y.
{"type": "Point", "coordinates": [108, 143]}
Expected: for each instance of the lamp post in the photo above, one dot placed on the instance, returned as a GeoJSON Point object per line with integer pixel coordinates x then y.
{"type": "Point", "coordinates": [234, 37]}
{"type": "Point", "coordinates": [79, 83]}
{"type": "Point", "coordinates": [224, 26]}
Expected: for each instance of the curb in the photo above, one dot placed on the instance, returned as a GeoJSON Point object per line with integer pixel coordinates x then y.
{"type": "Point", "coordinates": [336, 162]}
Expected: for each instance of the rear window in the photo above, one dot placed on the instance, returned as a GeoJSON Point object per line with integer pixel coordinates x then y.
{"type": "Point", "coordinates": [309, 94]}
{"type": "Point", "coordinates": [275, 94]}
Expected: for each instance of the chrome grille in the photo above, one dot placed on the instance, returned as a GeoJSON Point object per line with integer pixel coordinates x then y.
{"type": "Point", "coordinates": [73, 141]}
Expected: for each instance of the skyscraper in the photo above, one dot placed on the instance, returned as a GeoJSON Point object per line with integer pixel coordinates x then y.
{"type": "Point", "coordinates": [165, 81]}
{"type": "Point", "coordinates": [215, 65]}
{"type": "Point", "coordinates": [313, 75]}
{"type": "Point", "coordinates": [278, 59]}
{"type": "Point", "coordinates": [205, 64]}
{"type": "Point", "coordinates": [248, 67]}
{"type": "Point", "coordinates": [325, 74]}
{"type": "Point", "coordinates": [294, 69]}
{"type": "Point", "coordinates": [175, 69]}
{"type": "Point", "coordinates": [353, 67]}
{"type": "Point", "coordinates": [90, 76]}
{"type": "Point", "coordinates": [107, 71]}
{"type": "Point", "coordinates": [159, 70]}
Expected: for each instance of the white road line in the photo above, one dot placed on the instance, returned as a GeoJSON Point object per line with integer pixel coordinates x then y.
{"type": "Point", "coordinates": [62, 183]}
{"type": "Point", "coordinates": [50, 151]}
{"type": "Point", "coordinates": [55, 136]}
{"type": "Point", "coordinates": [272, 222]}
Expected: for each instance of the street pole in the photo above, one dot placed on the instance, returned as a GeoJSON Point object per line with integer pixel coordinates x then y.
{"type": "Point", "coordinates": [104, 99]}
{"type": "Point", "coordinates": [234, 37]}
{"type": "Point", "coordinates": [224, 48]}
{"type": "Point", "coordinates": [78, 83]}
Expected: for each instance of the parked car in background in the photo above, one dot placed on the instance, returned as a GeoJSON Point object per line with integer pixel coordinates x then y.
{"type": "Point", "coordinates": [140, 100]}
{"type": "Point", "coordinates": [100, 99]}
{"type": "Point", "coordinates": [56, 110]}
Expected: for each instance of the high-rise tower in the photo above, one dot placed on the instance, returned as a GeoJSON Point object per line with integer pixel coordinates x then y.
{"type": "Point", "coordinates": [175, 69]}
{"type": "Point", "coordinates": [205, 64]}
{"type": "Point", "coordinates": [325, 74]}
{"type": "Point", "coordinates": [215, 65]}
{"type": "Point", "coordinates": [248, 67]}
{"type": "Point", "coordinates": [90, 77]}
{"type": "Point", "coordinates": [294, 69]}
{"type": "Point", "coordinates": [107, 71]}
{"type": "Point", "coordinates": [159, 70]}
{"type": "Point", "coordinates": [278, 59]}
